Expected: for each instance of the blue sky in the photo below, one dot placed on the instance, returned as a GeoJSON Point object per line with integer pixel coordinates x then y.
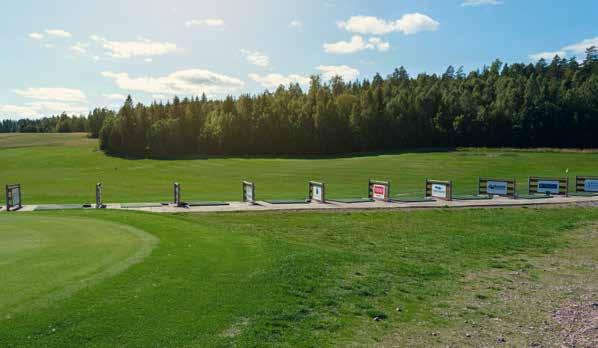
{"type": "Point", "coordinates": [75, 55]}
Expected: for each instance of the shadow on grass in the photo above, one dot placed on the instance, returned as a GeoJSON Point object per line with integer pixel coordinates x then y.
{"type": "Point", "coordinates": [191, 157]}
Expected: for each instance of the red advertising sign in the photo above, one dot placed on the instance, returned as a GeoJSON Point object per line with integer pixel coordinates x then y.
{"type": "Point", "coordinates": [379, 191]}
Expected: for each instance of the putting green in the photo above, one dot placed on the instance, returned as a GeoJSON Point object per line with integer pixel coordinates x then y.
{"type": "Point", "coordinates": [43, 259]}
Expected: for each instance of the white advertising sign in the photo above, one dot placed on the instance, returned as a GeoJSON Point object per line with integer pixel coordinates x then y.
{"type": "Point", "coordinates": [249, 193]}
{"type": "Point", "coordinates": [316, 193]}
{"type": "Point", "coordinates": [550, 186]}
{"type": "Point", "coordinates": [590, 185]}
{"type": "Point", "coordinates": [16, 197]}
{"type": "Point", "coordinates": [379, 191]}
{"type": "Point", "coordinates": [496, 187]}
{"type": "Point", "coordinates": [439, 190]}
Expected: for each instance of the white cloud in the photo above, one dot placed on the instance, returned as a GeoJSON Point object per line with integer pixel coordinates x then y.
{"type": "Point", "coordinates": [80, 48]}
{"type": "Point", "coordinates": [50, 101]}
{"type": "Point", "coordinates": [355, 45]}
{"type": "Point", "coordinates": [378, 44]}
{"type": "Point", "coordinates": [39, 109]}
{"type": "Point", "coordinates": [56, 94]}
{"type": "Point", "coordinates": [185, 82]}
{"type": "Point", "coordinates": [256, 58]}
{"type": "Point", "coordinates": [580, 47]}
{"type": "Point", "coordinates": [148, 60]}
{"type": "Point", "coordinates": [48, 45]}
{"type": "Point", "coordinates": [413, 23]}
{"type": "Point", "coordinates": [114, 96]}
{"type": "Point", "coordinates": [159, 96]}
{"type": "Point", "coordinates": [577, 49]}
{"type": "Point", "coordinates": [409, 24]}
{"type": "Point", "coordinates": [295, 24]}
{"type": "Point", "coordinates": [367, 25]}
{"type": "Point", "coordinates": [53, 107]}
{"type": "Point", "coordinates": [546, 55]}
{"type": "Point", "coordinates": [346, 72]}
{"type": "Point", "coordinates": [208, 22]}
{"type": "Point", "coordinates": [275, 80]}
{"type": "Point", "coordinates": [36, 36]}
{"type": "Point", "coordinates": [10, 111]}
{"type": "Point", "coordinates": [480, 2]}
{"type": "Point", "coordinates": [129, 49]}
{"type": "Point", "coordinates": [58, 33]}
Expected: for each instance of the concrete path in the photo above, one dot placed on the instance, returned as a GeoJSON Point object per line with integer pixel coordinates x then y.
{"type": "Point", "coordinates": [264, 206]}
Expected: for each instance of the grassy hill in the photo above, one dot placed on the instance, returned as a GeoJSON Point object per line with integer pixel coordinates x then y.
{"type": "Point", "coordinates": [63, 168]}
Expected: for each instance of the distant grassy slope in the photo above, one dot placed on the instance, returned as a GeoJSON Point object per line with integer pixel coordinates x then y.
{"type": "Point", "coordinates": [68, 173]}
{"type": "Point", "coordinates": [271, 279]}
{"type": "Point", "coordinates": [14, 140]}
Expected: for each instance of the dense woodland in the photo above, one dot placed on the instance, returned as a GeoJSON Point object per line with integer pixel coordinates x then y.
{"type": "Point", "coordinates": [546, 104]}
{"type": "Point", "coordinates": [54, 124]}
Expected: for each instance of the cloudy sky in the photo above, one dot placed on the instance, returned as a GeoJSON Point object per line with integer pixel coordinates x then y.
{"type": "Point", "coordinates": [75, 55]}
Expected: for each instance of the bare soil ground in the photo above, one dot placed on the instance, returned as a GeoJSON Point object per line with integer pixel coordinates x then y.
{"type": "Point", "coordinates": [532, 301]}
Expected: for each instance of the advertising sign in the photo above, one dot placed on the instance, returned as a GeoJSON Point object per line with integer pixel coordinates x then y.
{"type": "Point", "coordinates": [16, 197]}
{"type": "Point", "coordinates": [248, 193]}
{"type": "Point", "coordinates": [497, 187]}
{"type": "Point", "coordinates": [439, 190]}
{"type": "Point", "coordinates": [548, 186]}
{"type": "Point", "coordinates": [590, 185]}
{"type": "Point", "coordinates": [316, 193]}
{"type": "Point", "coordinates": [379, 191]}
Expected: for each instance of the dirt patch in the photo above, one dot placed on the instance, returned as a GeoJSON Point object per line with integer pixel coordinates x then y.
{"type": "Point", "coordinates": [577, 322]}
{"type": "Point", "coordinates": [235, 329]}
{"type": "Point", "coordinates": [525, 301]}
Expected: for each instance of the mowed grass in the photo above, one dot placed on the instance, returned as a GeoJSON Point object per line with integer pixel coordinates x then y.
{"type": "Point", "coordinates": [53, 173]}
{"type": "Point", "coordinates": [44, 258]}
{"type": "Point", "coordinates": [269, 279]}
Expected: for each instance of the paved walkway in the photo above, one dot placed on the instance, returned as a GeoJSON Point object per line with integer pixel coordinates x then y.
{"type": "Point", "coordinates": [264, 206]}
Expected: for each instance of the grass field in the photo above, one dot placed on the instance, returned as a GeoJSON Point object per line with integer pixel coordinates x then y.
{"type": "Point", "coordinates": [290, 279]}
{"type": "Point", "coordinates": [394, 278]}
{"type": "Point", "coordinates": [63, 168]}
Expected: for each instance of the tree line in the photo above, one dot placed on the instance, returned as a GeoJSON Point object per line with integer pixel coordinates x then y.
{"type": "Point", "coordinates": [53, 124]}
{"type": "Point", "coordinates": [59, 124]}
{"type": "Point", "coordinates": [546, 104]}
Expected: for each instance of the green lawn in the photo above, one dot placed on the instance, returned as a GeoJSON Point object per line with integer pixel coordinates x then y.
{"type": "Point", "coordinates": [44, 258]}
{"type": "Point", "coordinates": [106, 278]}
{"type": "Point", "coordinates": [51, 173]}
{"type": "Point", "coordinates": [280, 279]}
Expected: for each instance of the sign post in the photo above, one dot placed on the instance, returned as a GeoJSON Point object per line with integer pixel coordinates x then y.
{"type": "Point", "coordinates": [379, 190]}
{"type": "Point", "coordinates": [177, 194]}
{"type": "Point", "coordinates": [248, 192]}
{"type": "Point", "coordinates": [99, 203]}
{"type": "Point", "coordinates": [548, 186]}
{"type": "Point", "coordinates": [497, 187]}
{"type": "Point", "coordinates": [439, 189]}
{"type": "Point", "coordinates": [13, 197]}
{"type": "Point", "coordinates": [317, 191]}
